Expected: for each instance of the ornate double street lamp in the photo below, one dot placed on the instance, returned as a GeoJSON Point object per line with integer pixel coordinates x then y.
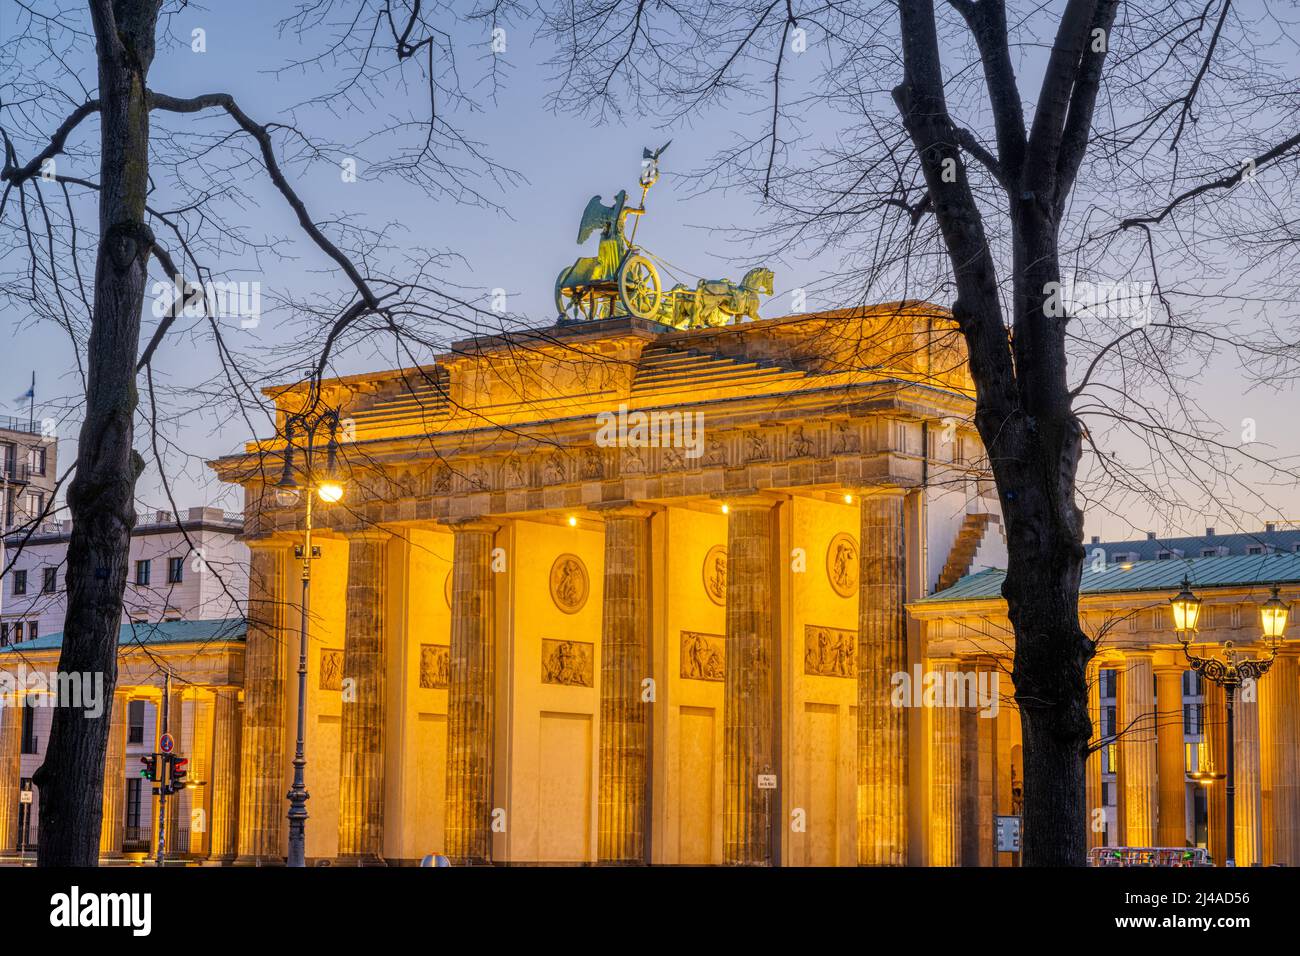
{"type": "Point", "coordinates": [289, 491]}
{"type": "Point", "coordinates": [1229, 673]}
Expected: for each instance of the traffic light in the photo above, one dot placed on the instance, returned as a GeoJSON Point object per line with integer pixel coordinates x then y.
{"type": "Point", "coordinates": [176, 773]}
{"type": "Point", "coordinates": [150, 769]}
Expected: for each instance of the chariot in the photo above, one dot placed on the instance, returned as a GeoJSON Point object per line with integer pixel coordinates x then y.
{"type": "Point", "coordinates": [623, 279]}
{"type": "Point", "coordinates": [620, 279]}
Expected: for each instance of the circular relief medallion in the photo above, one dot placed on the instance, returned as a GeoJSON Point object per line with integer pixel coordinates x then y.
{"type": "Point", "coordinates": [569, 585]}
{"type": "Point", "coordinates": [446, 589]}
{"type": "Point", "coordinates": [842, 564]}
{"type": "Point", "coordinates": [715, 575]}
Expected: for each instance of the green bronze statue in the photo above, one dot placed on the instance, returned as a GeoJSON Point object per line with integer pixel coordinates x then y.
{"type": "Point", "coordinates": [622, 280]}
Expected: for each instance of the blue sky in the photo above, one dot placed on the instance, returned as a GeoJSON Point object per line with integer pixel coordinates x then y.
{"type": "Point", "coordinates": [564, 159]}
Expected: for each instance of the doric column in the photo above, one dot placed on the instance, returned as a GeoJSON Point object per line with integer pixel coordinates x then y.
{"type": "Point", "coordinates": [1137, 748]}
{"type": "Point", "coordinates": [225, 774]}
{"type": "Point", "coordinates": [11, 737]}
{"type": "Point", "coordinates": [262, 767]}
{"type": "Point", "coordinates": [471, 689]}
{"type": "Point", "coordinates": [624, 664]}
{"type": "Point", "coordinates": [882, 652]}
{"type": "Point", "coordinates": [113, 824]}
{"type": "Point", "coordinates": [945, 776]}
{"type": "Point", "coordinates": [1171, 759]}
{"type": "Point", "coordinates": [1279, 718]}
{"type": "Point", "coordinates": [1216, 737]}
{"type": "Point", "coordinates": [1096, 821]}
{"type": "Point", "coordinates": [361, 738]}
{"type": "Point", "coordinates": [979, 745]}
{"type": "Point", "coordinates": [748, 709]}
{"type": "Point", "coordinates": [1247, 809]}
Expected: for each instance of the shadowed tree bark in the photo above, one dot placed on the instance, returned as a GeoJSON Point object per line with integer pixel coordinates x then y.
{"type": "Point", "coordinates": [101, 496]}
{"type": "Point", "coordinates": [933, 167]}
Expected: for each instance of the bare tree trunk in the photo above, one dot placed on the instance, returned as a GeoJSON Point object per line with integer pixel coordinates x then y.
{"type": "Point", "coordinates": [1037, 489]}
{"type": "Point", "coordinates": [101, 495]}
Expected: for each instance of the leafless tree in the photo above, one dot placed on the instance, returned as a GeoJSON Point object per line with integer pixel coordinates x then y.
{"type": "Point", "coordinates": [898, 135]}
{"type": "Point", "coordinates": [171, 183]}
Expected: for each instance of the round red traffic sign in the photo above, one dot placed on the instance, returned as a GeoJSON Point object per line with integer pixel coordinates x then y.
{"type": "Point", "coordinates": [167, 743]}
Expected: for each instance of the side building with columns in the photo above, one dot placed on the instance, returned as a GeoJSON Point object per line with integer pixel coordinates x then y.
{"type": "Point", "coordinates": [205, 659]}
{"type": "Point", "coordinates": [616, 593]}
{"type": "Point", "coordinates": [1160, 732]}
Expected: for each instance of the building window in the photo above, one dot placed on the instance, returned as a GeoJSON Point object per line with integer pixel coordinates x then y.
{"type": "Point", "coordinates": [1164, 555]}
{"type": "Point", "coordinates": [49, 580]}
{"type": "Point", "coordinates": [29, 729]}
{"type": "Point", "coordinates": [133, 790]}
{"type": "Point", "coordinates": [142, 569]}
{"type": "Point", "coordinates": [1107, 678]}
{"type": "Point", "coordinates": [1209, 552]}
{"type": "Point", "coordinates": [35, 504]}
{"type": "Point", "coordinates": [31, 630]}
{"type": "Point", "coordinates": [1255, 549]}
{"type": "Point", "coordinates": [4, 634]}
{"type": "Point", "coordinates": [20, 582]}
{"type": "Point", "coordinates": [1108, 721]}
{"type": "Point", "coordinates": [18, 632]}
{"type": "Point", "coordinates": [1191, 684]}
{"type": "Point", "coordinates": [1192, 722]}
{"type": "Point", "coordinates": [1111, 754]}
{"type": "Point", "coordinates": [36, 460]}
{"type": "Point", "coordinates": [135, 722]}
{"type": "Point", "coordinates": [175, 570]}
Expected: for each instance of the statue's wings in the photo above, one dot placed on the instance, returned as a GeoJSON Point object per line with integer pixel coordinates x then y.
{"type": "Point", "coordinates": [596, 217]}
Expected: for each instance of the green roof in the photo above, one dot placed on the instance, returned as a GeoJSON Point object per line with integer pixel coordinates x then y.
{"type": "Point", "coordinates": [165, 632]}
{"type": "Point", "coordinates": [1236, 571]}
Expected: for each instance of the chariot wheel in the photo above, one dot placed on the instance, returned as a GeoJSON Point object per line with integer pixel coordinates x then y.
{"type": "Point", "coordinates": [638, 287]}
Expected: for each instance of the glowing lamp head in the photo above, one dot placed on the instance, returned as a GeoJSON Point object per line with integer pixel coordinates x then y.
{"type": "Point", "coordinates": [1186, 607]}
{"type": "Point", "coordinates": [573, 521]}
{"type": "Point", "coordinates": [330, 492]}
{"type": "Point", "coordinates": [1273, 614]}
{"type": "Point", "coordinates": [848, 499]}
{"type": "Point", "coordinates": [725, 509]}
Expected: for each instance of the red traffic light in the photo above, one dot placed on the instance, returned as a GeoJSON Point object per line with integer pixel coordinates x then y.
{"type": "Point", "coordinates": [176, 772]}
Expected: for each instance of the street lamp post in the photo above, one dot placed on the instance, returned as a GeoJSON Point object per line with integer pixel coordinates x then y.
{"type": "Point", "coordinates": [288, 491]}
{"type": "Point", "coordinates": [1229, 674]}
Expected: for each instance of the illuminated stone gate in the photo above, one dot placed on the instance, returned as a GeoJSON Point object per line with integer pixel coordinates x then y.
{"type": "Point", "coordinates": [545, 629]}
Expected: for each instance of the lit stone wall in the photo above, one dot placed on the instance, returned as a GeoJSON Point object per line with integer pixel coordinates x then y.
{"type": "Point", "coordinates": [549, 756]}
{"type": "Point", "coordinates": [690, 829]}
{"type": "Point", "coordinates": [324, 707]}
{"type": "Point", "coordinates": [820, 714]}
{"type": "Point", "coordinates": [417, 740]}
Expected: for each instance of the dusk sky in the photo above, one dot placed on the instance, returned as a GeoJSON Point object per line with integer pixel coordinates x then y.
{"type": "Point", "coordinates": [562, 161]}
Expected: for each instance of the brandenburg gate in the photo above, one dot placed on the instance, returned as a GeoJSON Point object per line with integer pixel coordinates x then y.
{"type": "Point", "coordinates": [615, 592]}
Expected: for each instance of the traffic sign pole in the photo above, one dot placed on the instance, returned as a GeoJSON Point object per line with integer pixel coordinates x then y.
{"type": "Point", "coordinates": [162, 774]}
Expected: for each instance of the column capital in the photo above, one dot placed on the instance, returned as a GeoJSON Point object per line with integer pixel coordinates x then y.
{"type": "Point", "coordinates": [479, 523]}
{"type": "Point", "coordinates": [880, 491]}
{"type": "Point", "coordinates": [748, 498]}
{"type": "Point", "coordinates": [1138, 654]}
{"type": "Point", "coordinates": [275, 541]}
{"type": "Point", "coordinates": [368, 533]}
{"type": "Point", "coordinates": [625, 508]}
